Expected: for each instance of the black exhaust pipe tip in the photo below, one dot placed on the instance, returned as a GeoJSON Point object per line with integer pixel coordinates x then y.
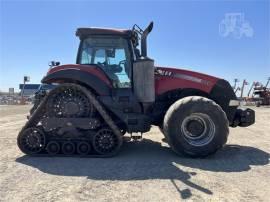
{"type": "Point", "coordinates": [144, 37]}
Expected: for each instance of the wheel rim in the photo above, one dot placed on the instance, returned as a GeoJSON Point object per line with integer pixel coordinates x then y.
{"type": "Point", "coordinates": [83, 148]}
{"type": "Point", "coordinates": [32, 141]}
{"type": "Point", "coordinates": [53, 147]}
{"type": "Point", "coordinates": [105, 142]}
{"type": "Point", "coordinates": [198, 129]}
{"type": "Point", "coordinates": [68, 148]}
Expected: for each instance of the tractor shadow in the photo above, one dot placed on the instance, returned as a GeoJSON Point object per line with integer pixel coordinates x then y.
{"type": "Point", "coordinates": [150, 160]}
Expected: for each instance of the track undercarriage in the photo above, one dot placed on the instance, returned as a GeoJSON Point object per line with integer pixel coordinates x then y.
{"type": "Point", "coordinates": [70, 121]}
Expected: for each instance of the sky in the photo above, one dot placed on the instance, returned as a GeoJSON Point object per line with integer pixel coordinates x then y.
{"type": "Point", "coordinates": [192, 35]}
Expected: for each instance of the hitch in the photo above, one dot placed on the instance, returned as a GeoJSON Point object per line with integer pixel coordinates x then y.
{"type": "Point", "coordinates": [136, 136]}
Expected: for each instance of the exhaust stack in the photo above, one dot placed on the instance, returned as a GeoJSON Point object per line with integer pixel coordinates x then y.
{"type": "Point", "coordinates": [144, 39]}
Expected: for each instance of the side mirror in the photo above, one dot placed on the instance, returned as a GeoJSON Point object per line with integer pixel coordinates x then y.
{"type": "Point", "coordinates": [54, 63]}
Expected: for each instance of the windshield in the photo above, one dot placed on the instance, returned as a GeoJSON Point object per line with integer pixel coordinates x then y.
{"type": "Point", "coordinates": [110, 54]}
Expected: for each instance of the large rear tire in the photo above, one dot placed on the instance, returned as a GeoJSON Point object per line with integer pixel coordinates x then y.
{"type": "Point", "coordinates": [196, 126]}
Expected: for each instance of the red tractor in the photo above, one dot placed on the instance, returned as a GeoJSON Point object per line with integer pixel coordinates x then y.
{"type": "Point", "coordinates": [114, 88]}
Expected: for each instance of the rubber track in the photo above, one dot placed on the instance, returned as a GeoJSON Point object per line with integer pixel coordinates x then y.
{"type": "Point", "coordinates": [41, 110]}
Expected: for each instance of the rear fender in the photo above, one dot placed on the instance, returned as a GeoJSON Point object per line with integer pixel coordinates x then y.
{"type": "Point", "coordinates": [77, 76]}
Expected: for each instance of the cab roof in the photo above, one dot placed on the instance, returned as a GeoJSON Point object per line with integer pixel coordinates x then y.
{"type": "Point", "coordinates": [86, 32]}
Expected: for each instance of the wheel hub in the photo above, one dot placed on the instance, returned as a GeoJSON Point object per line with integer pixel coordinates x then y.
{"type": "Point", "coordinates": [198, 129]}
{"type": "Point", "coordinates": [33, 140]}
{"type": "Point", "coordinates": [53, 147]}
{"type": "Point", "coordinates": [83, 148]}
{"type": "Point", "coordinates": [71, 108]}
{"type": "Point", "coordinates": [68, 147]}
{"type": "Point", "coordinates": [105, 142]}
{"type": "Point", "coordinates": [195, 127]}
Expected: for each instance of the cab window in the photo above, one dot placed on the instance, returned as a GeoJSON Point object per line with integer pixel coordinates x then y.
{"type": "Point", "coordinates": [111, 55]}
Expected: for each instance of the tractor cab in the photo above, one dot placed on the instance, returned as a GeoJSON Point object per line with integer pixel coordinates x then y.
{"type": "Point", "coordinates": [116, 53]}
{"type": "Point", "coordinates": [111, 54]}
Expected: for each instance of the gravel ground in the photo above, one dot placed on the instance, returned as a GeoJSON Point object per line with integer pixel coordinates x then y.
{"type": "Point", "coordinates": [143, 171]}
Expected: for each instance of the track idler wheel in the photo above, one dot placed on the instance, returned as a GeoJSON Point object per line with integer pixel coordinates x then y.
{"type": "Point", "coordinates": [31, 140]}
{"type": "Point", "coordinates": [68, 148]}
{"type": "Point", "coordinates": [53, 148]}
{"type": "Point", "coordinates": [83, 148]}
{"type": "Point", "coordinates": [105, 142]}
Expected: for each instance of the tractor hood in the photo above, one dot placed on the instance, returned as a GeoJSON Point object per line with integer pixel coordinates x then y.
{"type": "Point", "coordinates": [167, 79]}
{"type": "Point", "coordinates": [186, 74]}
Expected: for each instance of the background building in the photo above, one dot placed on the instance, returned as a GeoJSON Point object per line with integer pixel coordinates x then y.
{"type": "Point", "coordinates": [28, 90]}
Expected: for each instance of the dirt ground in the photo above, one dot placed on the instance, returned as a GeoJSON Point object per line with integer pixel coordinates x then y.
{"type": "Point", "coordinates": [143, 171]}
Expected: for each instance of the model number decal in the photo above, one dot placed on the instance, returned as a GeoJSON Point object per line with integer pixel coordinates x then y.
{"type": "Point", "coordinates": [164, 72]}
{"type": "Point", "coordinates": [183, 76]}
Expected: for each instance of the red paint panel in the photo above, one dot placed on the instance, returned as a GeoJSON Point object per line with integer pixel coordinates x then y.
{"type": "Point", "coordinates": [180, 78]}
{"type": "Point", "coordinates": [163, 83]}
{"type": "Point", "coordinates": [90, 69]}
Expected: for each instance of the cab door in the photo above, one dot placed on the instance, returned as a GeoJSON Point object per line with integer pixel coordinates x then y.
{"type": "Point", "coordinates": [122, 91]}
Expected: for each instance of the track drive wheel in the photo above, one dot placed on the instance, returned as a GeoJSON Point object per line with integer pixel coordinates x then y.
{"type": "Point", "coordinates": [68, 100]}
{"type": "Point", "coordinates": [105, 142]}
{"type": "Point", "coordinates": [31, 140]}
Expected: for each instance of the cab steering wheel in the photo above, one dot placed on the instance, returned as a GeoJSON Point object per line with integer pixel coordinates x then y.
{"type": "Point", "coordinates": [122, 62]}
